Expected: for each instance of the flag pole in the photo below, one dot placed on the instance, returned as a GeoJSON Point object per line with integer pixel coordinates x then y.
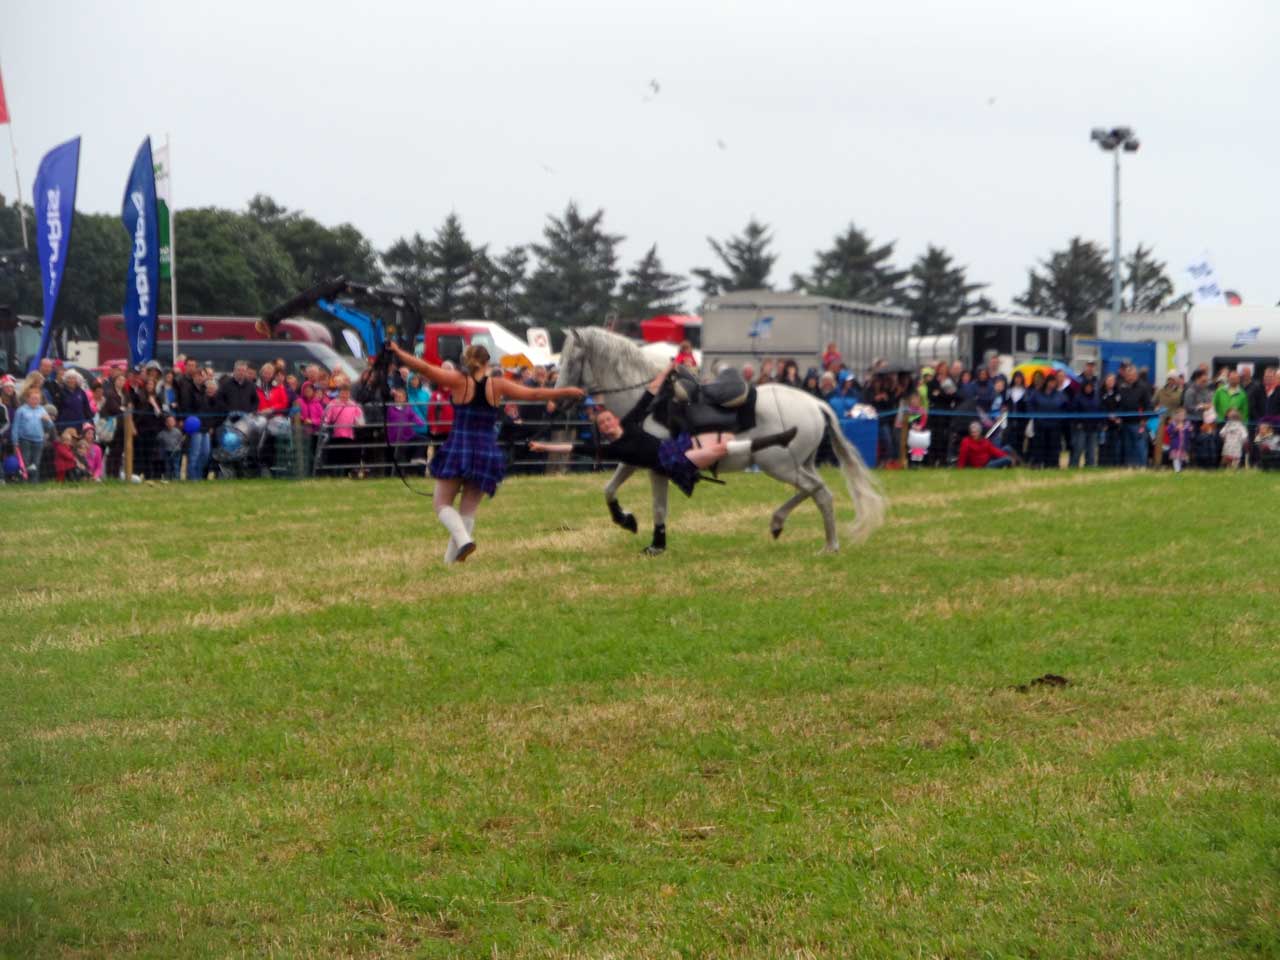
{"type": "Point", "coordinates": [173, 254]}
{"type": "Point", "coordinates": [13, 148]}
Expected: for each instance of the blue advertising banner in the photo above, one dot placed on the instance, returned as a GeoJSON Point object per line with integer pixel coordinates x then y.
{"type": "Point", "coordinates": [55, 204]}
{"type": "Point", "coordinates": [143, 284]}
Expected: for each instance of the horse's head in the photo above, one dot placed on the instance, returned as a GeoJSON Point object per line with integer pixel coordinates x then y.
{"type": "Point", "coordinates": [575, 361]}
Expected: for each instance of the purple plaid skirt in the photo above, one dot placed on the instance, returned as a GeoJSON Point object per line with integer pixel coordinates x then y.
{"type": "Point", "coordinates": [678, 467]}
{"type": "Point", "coordinates": [471, 453]}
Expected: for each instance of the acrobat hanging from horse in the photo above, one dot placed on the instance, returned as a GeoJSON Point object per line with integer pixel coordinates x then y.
{"type": "Point", "coordinates": [776, 427]}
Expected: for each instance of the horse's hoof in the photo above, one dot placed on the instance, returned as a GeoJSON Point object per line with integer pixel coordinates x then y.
{"type": "Point", "coordinates": [775, 532]}
{"type": "Point", "coordinates": [629, 524]}
{"type": "Point", "coordinates": [652, 551]}
{"type": "Point", "coordinates": [828, 551]}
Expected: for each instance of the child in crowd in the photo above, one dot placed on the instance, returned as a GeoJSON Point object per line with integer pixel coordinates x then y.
{"type": "Point", "coordinates": [1180, 436]}
{"type": "Point", "coordinates": [89, 451]}
{"type": "Point", "coordinates": [1234, 437]}
{"type": "Point", "coordinates": [1205, 448]}
{"type": "Point", "coordinates": [684, 356]}
{"type": "Point", "coordinates": [1267, 445]}
{"type": "Point", "coordinates": [30, 421]}
{"type": "Point", "coordinates": [170, 443]}
{"type": "Point", "coordinates": [67, 465]}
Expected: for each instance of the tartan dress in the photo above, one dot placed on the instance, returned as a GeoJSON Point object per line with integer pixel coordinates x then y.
{"type": "Point", "coordinates": [471, 453]}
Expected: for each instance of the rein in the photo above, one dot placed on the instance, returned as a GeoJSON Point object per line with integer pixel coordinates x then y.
{"type": "Point", "coordinates": [384, 364]}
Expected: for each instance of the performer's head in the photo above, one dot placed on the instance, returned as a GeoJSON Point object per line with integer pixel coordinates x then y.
{"type": "Point", "coordinates": [475, 359]}
{"type": "Point", "coordinates": [608, 424]}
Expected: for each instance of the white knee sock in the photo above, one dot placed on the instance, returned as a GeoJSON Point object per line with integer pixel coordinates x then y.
{"type": "Point", "coordinates": [451, 520]}
{"type": "Point", "coordinates": [738, 446]}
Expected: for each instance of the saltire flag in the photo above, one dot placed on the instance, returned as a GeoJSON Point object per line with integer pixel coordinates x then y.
{"type": "Point", "coordinates": [761, 327]}
{"type": "Point", "coordinates": [1204, 282]}
{"type": "Point", "coordinates": [142, 286]}
{"type": "Point", "coordinates": [163, 202]}
{"type": "Point", "coordinates": [55, 204]}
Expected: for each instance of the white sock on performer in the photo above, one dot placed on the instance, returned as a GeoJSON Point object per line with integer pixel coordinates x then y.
{"type": "Point", "coordinates": [734, 447]}
{"type": "Point", "coordinates": [451, 520]}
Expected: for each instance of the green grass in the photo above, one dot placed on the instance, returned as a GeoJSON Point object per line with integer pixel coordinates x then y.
{"type": "Point", "coordinates": [261, 718]}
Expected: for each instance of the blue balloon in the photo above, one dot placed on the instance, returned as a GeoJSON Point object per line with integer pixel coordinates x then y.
{"type": "Point", "coordinates": [191, 424]}
{"type": "Point", "coordinates": [11, 464]}
{"type": "Point", "coordinates": [232, 440]}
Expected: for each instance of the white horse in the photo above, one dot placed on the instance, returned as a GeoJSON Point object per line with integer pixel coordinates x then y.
{"type": "Point", "coordinates": [616, 371]}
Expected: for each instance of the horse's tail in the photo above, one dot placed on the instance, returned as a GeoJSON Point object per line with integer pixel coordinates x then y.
{"type": "Point", "coordinates": [868, 501]}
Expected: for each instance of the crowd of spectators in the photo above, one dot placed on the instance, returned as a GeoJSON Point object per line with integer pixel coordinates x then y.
{"type": "Point", "coordinates": [945, 414]}
{"type": "Point", "coordinates": [64, 424]}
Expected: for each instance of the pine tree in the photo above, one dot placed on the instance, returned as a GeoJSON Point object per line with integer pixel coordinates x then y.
{"type": "Point", "coordinates": [649, 289]}
{"type": "Point", "coordinates": [495, 290]}
{"type": "Point", "coordinates": [576, 272]}
{"type": "Point", "coordinates": [938, 293]}
{"type": "Point", "coordinates": [1146, 285]}
{"type": "Point", "coordinates": [1075, 284]}
{"type": "Point", "coordinates": [854, 269]}
{"type": "Point", "coordinates": [408, 264]}
{"type": "Point", "coordinates": [747, 259]}
{"type": "Point", "coordinates": [451, 259]}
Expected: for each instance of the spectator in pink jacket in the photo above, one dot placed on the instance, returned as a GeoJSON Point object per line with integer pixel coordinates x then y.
{"type": "Point", "coordinates": [92, 452]}
{"type": "Point", "coordinates": [342, 416]}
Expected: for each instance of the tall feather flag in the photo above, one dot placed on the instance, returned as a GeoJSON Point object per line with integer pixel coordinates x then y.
{"type": "Point", "coordinates": [55, 204]}
{"type": "Point", "coordinates": [142, 286]}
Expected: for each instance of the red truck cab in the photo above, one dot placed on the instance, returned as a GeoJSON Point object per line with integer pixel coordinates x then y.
{"type": "Point", "coordinates": [672, 328]}
{"type": "Point", "coordinates": [446, 341]}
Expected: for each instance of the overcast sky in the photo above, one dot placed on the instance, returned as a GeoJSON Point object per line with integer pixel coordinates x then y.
{"type": "Point", "coordinates": [959, 124]}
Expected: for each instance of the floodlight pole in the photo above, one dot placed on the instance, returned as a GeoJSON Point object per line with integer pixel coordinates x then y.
{"type": "Point", "coordinates": [1115, 236]}
{"type": "Point", "coordinates": [1113, 141]}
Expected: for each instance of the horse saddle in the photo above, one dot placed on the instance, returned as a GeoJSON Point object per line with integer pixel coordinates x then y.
{"type": "Point", "coordinates": [726, 404]}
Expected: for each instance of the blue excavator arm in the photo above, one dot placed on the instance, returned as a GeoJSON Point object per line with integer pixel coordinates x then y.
{"type": "Point", "coordinates": [373, 334]}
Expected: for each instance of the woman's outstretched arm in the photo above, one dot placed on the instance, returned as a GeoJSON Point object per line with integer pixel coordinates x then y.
{"type": "Point", "coordinates": [438, 375]}
{"type": "Point", "coordinates": [506, 389]}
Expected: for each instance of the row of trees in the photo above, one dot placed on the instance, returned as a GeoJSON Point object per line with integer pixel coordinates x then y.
{"type": "Point", "coordinates": [243, 262]}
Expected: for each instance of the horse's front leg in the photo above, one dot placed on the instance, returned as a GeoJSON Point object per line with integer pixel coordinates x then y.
{"type": "Point", "coordinates": [626, 521]}
{"type": "Point", "coordinates": [658, 483]}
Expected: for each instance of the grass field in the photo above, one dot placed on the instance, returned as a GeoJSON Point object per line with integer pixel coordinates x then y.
{"type": "Point", "coordinates": [261, 719]}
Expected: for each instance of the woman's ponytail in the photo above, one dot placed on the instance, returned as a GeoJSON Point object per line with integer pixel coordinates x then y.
{"type": "Point", "coordinates": [475, 358]}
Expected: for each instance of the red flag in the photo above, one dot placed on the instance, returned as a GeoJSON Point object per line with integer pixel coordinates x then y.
{"type": "Point", "coordinates": [4, 110]}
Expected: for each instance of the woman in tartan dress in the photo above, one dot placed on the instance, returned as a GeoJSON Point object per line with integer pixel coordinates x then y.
{"type": "Point", "coordinates": [469, 462]}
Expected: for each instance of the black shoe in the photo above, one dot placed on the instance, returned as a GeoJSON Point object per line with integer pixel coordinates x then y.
{"type": "Point", "coordinates": [774, 439]}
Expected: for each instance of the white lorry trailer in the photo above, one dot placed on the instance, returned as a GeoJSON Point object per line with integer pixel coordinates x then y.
{"type": "Point", "coordinates": [748, 325]}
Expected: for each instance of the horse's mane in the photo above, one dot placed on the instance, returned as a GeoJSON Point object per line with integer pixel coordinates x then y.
{"type": "Point", "coordinates": [617, 354]}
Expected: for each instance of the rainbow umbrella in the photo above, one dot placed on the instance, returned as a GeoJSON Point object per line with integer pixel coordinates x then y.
{"type": "Point", "coordinates": [1046, 367]}
{"type": "Point", "coordinates": [1031, 368]}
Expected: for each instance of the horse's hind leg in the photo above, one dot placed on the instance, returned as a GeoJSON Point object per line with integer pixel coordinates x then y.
{"type": "Point", "coordinates": [780, 515]}
{"type": "Point", "coordinates": [826, 504]}
{"type": "Point", "coordinates": [811, 480]}
{"type": "Point", "coordinates": [626, 521]}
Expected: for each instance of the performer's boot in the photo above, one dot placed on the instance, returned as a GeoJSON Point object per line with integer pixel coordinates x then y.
{"type": "Point", "coordinates": [774, 440]}
{"type": "Point", "coordinates": [759, 443]}
{"type": "Point", "coordinates": [467, 549]}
